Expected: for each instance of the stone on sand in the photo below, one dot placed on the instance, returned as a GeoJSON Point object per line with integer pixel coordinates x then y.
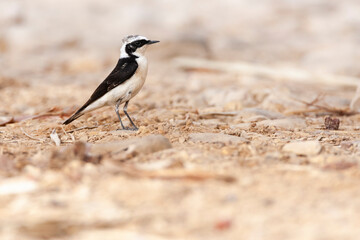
{"type": "Point", "coordinates": [303, 148]}
{"type": "Point", "coordinates": [257, 112]}
{"type": "Point", "coordinates": [284, 123]}
{"type": "Point", "coordinates": [145, 145]}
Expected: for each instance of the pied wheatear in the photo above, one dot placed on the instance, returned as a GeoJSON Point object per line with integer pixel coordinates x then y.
{"type": "Point", "coordinates": [123, 83]}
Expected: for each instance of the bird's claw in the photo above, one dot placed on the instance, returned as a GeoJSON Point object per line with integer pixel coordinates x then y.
{"type": "Point", "coordinates": [128, 128]}
{"type": "Point", "coordinates": [132, 129]}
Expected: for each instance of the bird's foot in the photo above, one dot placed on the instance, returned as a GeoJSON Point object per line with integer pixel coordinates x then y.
{"type": "Point", "coordinates": [128, 129]}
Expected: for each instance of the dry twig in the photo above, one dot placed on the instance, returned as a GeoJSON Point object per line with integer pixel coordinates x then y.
{"type": "Point", "coordinates": [315, 103]}
{"type": "Point", "coordinates": [50, 113]}
{"type": "Point", "coordinates": [31, 137]}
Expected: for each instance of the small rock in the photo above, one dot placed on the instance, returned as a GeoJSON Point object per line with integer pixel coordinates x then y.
{"type": "Point", "coordinates": [78, 151]}
{"type": "Point", "coordinates": [303, 148]}
{"type": "Point", "coordinates": [285, 123]}
{"type": "Point", "coordinates": [332, 123]}
{"type": "Point", "coordinates": [216, 138]}
{"type": "Point", "coordinates": [145, 145]}
{"type": "Point", "coordinates": [257, 112]}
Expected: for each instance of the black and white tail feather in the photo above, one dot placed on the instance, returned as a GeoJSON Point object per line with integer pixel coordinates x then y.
{"type": "Point", "coordinates": [73, 117]}
{"type": "Point", "coordinates": [123, 83]}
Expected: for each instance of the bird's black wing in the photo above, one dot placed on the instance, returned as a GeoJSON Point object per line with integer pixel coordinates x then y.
{"type": "Point", "coordinates": [124, 70]}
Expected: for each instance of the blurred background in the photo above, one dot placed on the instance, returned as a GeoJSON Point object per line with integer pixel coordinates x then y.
{"type": "Point", "coordinates": [250, 157]}
{"type": "Point", "coordinates": [41, 36]}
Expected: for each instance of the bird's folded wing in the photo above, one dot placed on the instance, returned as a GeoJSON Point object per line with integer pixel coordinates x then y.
{"type": "Point", "coordinates": [124, 70]}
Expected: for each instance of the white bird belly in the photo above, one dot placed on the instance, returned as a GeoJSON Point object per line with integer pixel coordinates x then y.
{"type": "Point", "coordinates": [124, 91]}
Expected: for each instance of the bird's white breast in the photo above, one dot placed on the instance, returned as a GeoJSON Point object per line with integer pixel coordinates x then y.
{"type": "Point", "coordinates": [126, 90]}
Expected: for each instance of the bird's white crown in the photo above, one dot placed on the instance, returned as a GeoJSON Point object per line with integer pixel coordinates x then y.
{"type": "Point", "coordinates": [132, 38]}
{"type": "Point", "coordinates": [134, 46]}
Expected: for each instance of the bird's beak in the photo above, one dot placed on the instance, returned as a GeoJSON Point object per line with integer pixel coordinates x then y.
{"type": "Point", "coordinates": [152, 42]}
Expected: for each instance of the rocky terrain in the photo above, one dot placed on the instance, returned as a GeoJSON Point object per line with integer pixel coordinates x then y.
{"type": "Point", "coordinates": [248, 121]}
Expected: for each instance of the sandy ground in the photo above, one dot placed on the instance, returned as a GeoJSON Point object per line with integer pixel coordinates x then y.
{"type": "Point", "coordinates": [223, 151]}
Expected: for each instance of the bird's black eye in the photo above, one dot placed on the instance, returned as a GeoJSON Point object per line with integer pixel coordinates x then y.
{"type": "Point", "coordinates": [138, 44]}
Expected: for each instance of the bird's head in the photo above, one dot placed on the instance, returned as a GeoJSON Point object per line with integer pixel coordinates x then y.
{"type": "Point", "coordinates": [135, 45]}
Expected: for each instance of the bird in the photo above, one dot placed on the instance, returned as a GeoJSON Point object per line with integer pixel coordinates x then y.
{"type": "Point", "coordinates": [124, 81]}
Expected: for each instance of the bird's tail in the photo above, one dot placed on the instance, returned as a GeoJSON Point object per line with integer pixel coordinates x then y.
{"type": "Point", "coordinates": [73, 117]}
{"type": "Point", "coordinates": [81, 111]}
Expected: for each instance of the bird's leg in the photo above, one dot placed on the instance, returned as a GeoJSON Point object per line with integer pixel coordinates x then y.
{"type": "Point", "coordinates": [117, 112]}
{"type": "Point", "coordinates": [125, 111]}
